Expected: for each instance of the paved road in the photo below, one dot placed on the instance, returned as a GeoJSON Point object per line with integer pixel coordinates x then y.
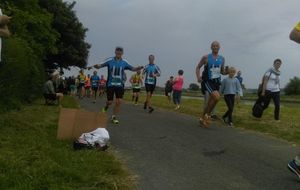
{"type": "Point", "coordinates": [169, 151]}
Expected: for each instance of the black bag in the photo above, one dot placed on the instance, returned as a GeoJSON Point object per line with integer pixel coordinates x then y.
{"type": "Point", "coordinates": [259, 107]}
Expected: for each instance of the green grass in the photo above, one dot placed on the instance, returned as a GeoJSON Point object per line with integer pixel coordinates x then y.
{"type": "Point", "coordinates": [32, 158]}
{"type": "Point", "coordinates": [288, 129]}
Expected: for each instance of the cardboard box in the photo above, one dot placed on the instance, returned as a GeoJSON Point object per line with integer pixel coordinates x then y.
{"type": "Point", "coordinates": [73, 122]}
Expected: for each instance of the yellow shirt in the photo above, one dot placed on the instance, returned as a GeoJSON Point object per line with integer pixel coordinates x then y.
{"type": "Point", "coordinates": [297, 27]}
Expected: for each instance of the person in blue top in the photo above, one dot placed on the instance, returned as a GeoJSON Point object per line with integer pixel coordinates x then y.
{"type": "Point", "coordinates": [150, 72]}
{"type": "Point", "coordinates": [115, 80]}
{"type": "Point", "coordinates": [214, 67]}
{"type": "Point", "coordinates": [95, 83]}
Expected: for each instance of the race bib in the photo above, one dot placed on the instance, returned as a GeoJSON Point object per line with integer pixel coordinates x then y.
{"type": "Point", "coordinates": [116, 81]}
{"type": "Point", "coordinates": [215, 72]}
{"type": "Point", "coordinates": [151, 80]}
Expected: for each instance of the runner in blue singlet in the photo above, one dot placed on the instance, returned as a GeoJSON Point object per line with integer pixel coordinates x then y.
{"type": "Point", "coordinates": [115, 80]}
{"type": "Point", "coordinates": [151, 72]}
{"type": "Point", "coordinates": [213, 69]}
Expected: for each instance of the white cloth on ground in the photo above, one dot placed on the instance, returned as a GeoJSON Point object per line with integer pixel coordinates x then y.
{"type": "Point", "coordinates": [99, 136]}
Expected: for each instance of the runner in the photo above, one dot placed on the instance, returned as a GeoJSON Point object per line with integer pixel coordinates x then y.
{"type": "Point", "coordinates": [294, 165]}
{"type": "Point", "coordinates": [95, 81]}
{"type": "Point", "coordinates": [81, 90]}
{"type": "Point", "coordinates": [151, 71]}
{"type": "Point", "coordinates": [136, 81]}
{"type": "Point", "coordinates": [115, 80]}
{"type": "Point", "coordinates": [102, 85]}
{"type": "Point", "coordinates": [213, 69]}
{"type": "Point", "coordinates": [169, 88]}
{"type": "Point", "coordinates": [87, 86]}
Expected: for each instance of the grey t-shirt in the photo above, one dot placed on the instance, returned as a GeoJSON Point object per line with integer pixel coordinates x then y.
{"type": "Point", "coordinates": [49, 87]}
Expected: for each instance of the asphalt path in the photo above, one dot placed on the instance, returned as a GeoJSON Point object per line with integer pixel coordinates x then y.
{"type": "Point", "coordinates": [168, 150]}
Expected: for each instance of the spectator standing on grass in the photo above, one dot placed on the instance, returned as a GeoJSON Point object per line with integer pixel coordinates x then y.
{"type": "Point", "coordinates": [230, 88]}
{"type": "Point", "coordinates": [169, 88]}
{"type": "Point", "coordinates": [271, 87]}
{"type": "Point", "coordinates": [240, 78]}
{"type": "Point", "coordinates": [177, 89]}
{"type": "Point", "coordinates": [294, 165]}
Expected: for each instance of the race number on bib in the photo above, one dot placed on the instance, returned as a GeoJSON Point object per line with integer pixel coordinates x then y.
{"type": "Point", "coordinates": [215, 72]}
{"type": "Point", "coordinates": [116, 81]}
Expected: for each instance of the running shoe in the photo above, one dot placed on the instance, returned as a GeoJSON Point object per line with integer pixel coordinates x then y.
{"type": "Point", "coordinates": [206, 120]}
{"type": "Point", "coordinates": [293, 167]}
{"type": "Point", "coordinates": [230, 124]}
{"type": "Point", "coordinates": [114, 120]}
{"type": "Point", "coordinates": [151, 109]}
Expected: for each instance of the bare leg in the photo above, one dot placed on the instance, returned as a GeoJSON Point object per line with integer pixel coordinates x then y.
{"type": "Point", "coordinates": [117, 106]}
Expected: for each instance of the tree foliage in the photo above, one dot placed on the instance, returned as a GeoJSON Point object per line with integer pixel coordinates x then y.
{"type": "Point", "coordinates": [293, 87]}
{"type": "Point", "coordinates": [43, 32]}
{"type": "Point", "coordinates": [72, 49]}
{"type": "Point", "coordinates": [194, 87]}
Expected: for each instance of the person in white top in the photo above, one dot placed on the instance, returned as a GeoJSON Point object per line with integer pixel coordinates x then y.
{"type": "Point", "coordinates": [271, 87]}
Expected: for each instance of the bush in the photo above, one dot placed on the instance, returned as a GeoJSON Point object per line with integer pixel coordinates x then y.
{"type": "Point", "coordinates": [293, 87]}
{"type": "Point", "coordinates": [21, 74]}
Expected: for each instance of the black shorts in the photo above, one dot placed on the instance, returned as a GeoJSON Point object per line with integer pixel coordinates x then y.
{"type": "Point", "coordinates": [212, 85]}
{"type": "Point", "coordinates": [95, 88]}
{"type": "Point", "coordinates": [112, 91]}
{"type": "Point", "coordinates": [150, 88]}
{"type": "Point", "coordinates": [80, 85]}
{"type": "Point", "coordinates": [50, 96]}
{"type": "Point", "coordinates": [135, 90]}
{"type": "Point", "coordinates": [168, 93]}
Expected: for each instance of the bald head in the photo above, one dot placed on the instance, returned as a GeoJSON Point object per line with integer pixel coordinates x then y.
{"type": "Point", "coordinates": [215, 47]}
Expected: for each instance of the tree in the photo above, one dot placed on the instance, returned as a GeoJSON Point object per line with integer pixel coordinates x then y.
{"type": "Point", "coordinates": [194, 87]}
{"type": "Point", "coordinates": [72, 48]}
{"type": "Point", "coordinates": [293, 87]}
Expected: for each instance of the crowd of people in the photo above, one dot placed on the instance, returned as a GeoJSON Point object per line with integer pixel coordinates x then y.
{"type": "Point", "coordinates": [212, 66]}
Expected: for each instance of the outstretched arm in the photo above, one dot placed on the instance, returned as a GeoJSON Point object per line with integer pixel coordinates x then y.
{"type": "Point", "coordinates": [137, 68]}
{"type": "Point", "coordinates": [202, 62]}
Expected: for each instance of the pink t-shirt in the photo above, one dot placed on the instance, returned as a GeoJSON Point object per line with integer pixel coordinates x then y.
{"type": "Point", "coordinates": [178, 83]}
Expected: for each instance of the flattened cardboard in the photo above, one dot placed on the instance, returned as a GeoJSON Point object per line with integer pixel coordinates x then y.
{"type": "Point", "coordinates": [73, 122]}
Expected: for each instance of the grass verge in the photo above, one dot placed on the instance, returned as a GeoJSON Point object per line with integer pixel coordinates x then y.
{"type": "Point", "coordinates": [32, 158]}
{"type": "Point", "coordinates": [288, 128]}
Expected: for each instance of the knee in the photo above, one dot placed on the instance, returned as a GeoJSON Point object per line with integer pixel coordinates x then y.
{"type": "Point", "coordinates": [215, 95]}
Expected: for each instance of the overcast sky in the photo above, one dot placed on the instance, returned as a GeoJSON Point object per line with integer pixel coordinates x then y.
{"type": "Point", "coordinates": [252, 34]}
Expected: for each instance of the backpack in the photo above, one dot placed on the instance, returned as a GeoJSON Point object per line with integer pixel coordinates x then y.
{"type": "Point", "coordinates": [260, 86]}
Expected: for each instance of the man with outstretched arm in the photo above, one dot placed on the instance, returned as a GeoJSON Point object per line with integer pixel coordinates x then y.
{"type": "Point", "coordinates": [214, 67]}
{"type": "Point", "coordinates": [115, 83]}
